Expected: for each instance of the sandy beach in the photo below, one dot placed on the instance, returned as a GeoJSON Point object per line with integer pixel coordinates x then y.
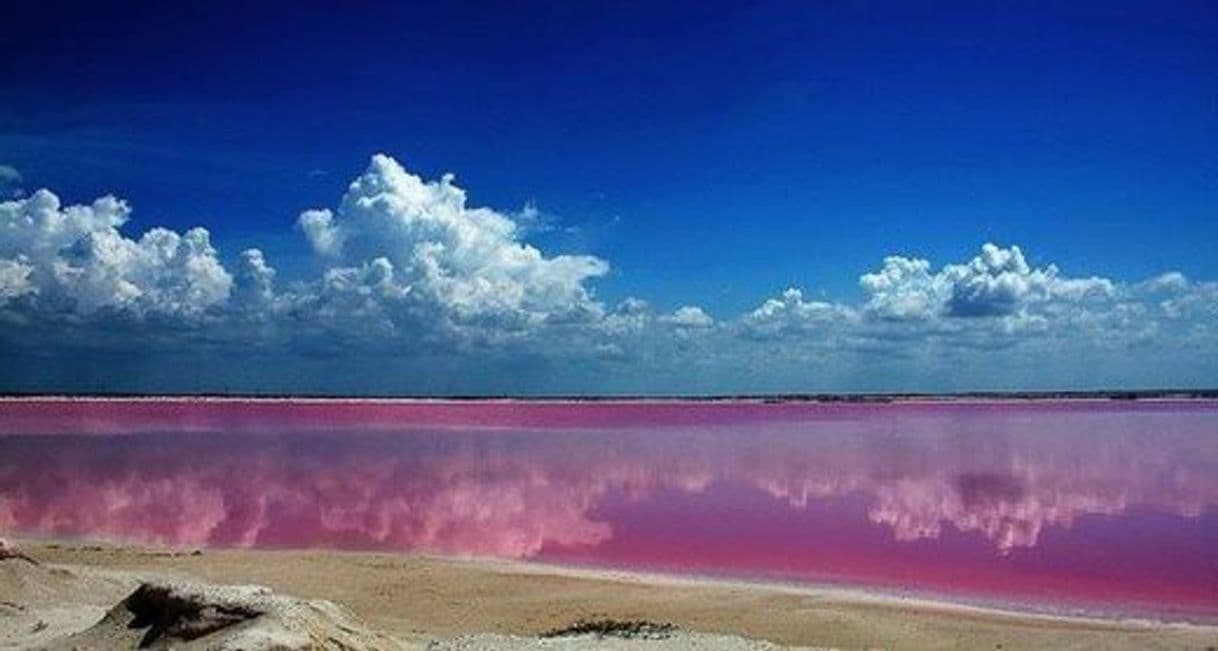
{"type": "Point", "coordinates": [417, 600]}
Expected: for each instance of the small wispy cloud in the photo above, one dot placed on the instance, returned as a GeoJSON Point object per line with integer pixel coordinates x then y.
{"type": "Point", "coordinates": [10, 182]}
{"type": "Point", "coordinates": [530, 219]}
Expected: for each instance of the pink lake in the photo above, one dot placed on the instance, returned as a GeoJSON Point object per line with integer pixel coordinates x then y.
{"type": "Point", "coordinates": [1093, 507]}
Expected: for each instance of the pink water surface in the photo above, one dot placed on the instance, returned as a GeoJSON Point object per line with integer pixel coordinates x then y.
{"type": "Point", "coordinates": [1106, 507]}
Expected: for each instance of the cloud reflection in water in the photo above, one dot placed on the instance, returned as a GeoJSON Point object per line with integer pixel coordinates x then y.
{"type": "Point", "coordinates": [1001, 479]}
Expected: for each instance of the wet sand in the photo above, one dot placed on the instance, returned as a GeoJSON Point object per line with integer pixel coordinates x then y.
{"type": "Point", "coordinates": [418, 599]}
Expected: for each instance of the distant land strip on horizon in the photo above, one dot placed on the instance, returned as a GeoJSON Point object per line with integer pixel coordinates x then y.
{"type": "Point", "coordinates": [1098, 394]}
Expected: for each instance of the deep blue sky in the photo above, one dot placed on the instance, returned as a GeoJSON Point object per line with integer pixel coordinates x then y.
{"type": "Point", "coordinates": [711, 151]}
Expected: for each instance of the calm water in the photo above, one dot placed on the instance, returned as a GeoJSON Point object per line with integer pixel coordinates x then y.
{"type": "Point", "coordinates": [1096, 506]}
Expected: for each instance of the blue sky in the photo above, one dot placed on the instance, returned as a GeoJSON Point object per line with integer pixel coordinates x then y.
{"type": "Point", "coordinates": [711, 155]}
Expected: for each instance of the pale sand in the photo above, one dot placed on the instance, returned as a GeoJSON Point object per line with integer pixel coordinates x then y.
{"type": "Point", "coordinates": [418, 599]}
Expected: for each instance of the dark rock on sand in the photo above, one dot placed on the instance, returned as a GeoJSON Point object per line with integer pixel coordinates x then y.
{"type": "Point", "coordinates": [197, 616]}
{"type": "Point", "coordinates": [626, 629]}
{"type": "Point", "coordinates": [9, 551]}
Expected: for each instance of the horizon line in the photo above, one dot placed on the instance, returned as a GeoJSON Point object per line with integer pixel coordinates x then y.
{"type": "Point", "coordinates": [894, 396]}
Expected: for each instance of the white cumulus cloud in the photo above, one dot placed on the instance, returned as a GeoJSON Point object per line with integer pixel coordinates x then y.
{"type": "Point", "coordinates": [253, 284]}
{"type": "Point", "coordinates": [468, 263]}
{"type": "Point", "coordinates": [790, 315]}
{"type": "Point", "coordinates": [75, 259]}
{"type": "Point", "coordinates": [689, 316]}
{"type": "Point", "coordinates": [904, 289]}
{"type": "Point", "coordinates": [15, 278]}
{"type": "Point", "coordinates": [997, 282]}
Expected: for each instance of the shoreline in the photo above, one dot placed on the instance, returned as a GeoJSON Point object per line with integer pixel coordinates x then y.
{"type": "Point", "coordinates": [420, 597]}
{"type": "Point", "coordinates": [842, 592]}
{"type": "Point", "coordinates": [1061, 611]}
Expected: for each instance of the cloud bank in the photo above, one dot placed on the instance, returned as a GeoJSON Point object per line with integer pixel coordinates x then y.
{"type": "Point", "coordinates": [451, 298]}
